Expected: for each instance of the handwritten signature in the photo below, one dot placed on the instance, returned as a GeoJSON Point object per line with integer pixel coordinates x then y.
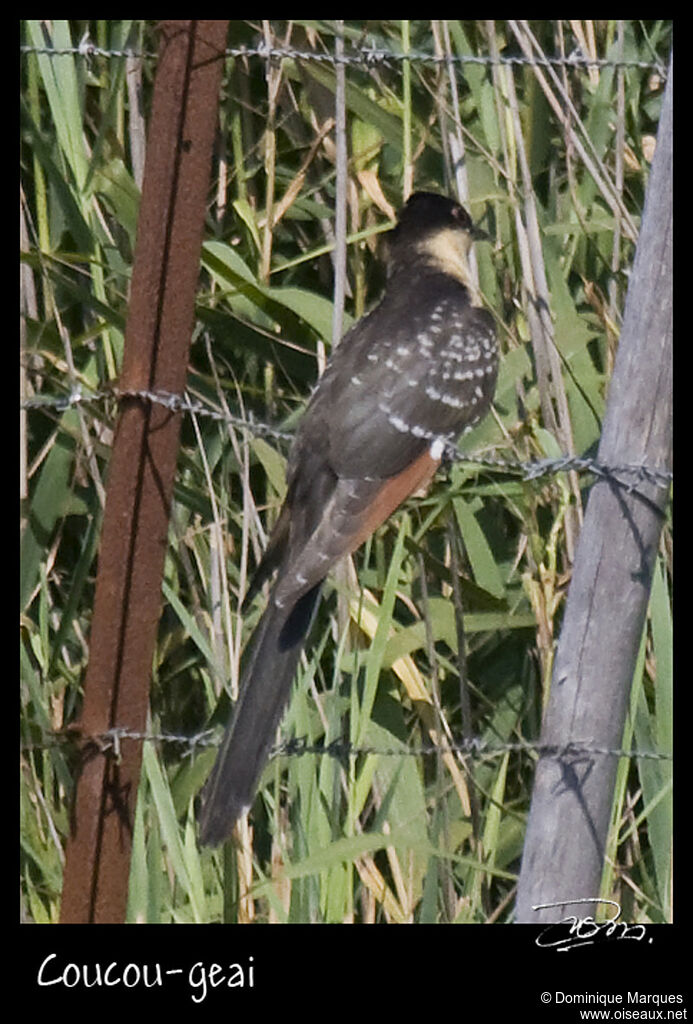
{"type": "Point", "coordinates": [585, 931]}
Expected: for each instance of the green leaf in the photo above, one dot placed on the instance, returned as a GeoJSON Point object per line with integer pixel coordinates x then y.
{"type": "Point", "coordinates": [49, 501]}
{"type": "Point", "coordinates": [59, 76]}
{"type": "Point", "coordinates": [486, 572]}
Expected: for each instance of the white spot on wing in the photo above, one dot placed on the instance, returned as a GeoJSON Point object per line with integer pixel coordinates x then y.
{"type": "Point", "coordinates": [437, 448]}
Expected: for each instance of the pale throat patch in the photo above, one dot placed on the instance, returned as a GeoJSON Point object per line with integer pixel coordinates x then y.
{"type": "Point", "coordinates": [449, 249]}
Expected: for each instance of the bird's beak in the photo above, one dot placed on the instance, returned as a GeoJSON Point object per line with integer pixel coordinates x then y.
{"type": "Point", "coordinates": [479, 235]}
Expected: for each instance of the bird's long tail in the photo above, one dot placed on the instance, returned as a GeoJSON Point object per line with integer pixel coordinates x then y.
{"type": "Point", "coordinates": [265, 686]}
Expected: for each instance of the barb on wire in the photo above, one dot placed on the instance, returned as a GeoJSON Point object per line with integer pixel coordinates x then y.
{"type": "Point", "coordinates": [368, 57]}
{"type": "Point", "coordinates": [532, 470]}
{"type": "Point", "coordinates": [474, 747]}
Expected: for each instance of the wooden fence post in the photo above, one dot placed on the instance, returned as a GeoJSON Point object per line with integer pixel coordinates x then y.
{"type": "Point", "coordinates": [607, 602]}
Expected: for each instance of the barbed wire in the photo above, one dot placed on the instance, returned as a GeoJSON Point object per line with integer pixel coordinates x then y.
{"type": "Point", "coordinates": [167, 399]}
{"type": "Point", "coordinates": [474, 747]}
{"type": "Point", "coordinates": [534, 469]}
{"type": "Point", "coordinates": [368, 57]}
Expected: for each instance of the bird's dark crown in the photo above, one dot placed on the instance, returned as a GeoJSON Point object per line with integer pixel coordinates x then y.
{"type": "Point", "coordinates": [428, 212]}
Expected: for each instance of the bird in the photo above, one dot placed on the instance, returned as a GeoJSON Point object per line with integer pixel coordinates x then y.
{"type": "Point", "coordinates": [404, 383]}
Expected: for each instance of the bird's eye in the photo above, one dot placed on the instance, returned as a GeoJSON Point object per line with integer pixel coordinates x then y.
{"type": "Point", "coordinates": [461, 216]}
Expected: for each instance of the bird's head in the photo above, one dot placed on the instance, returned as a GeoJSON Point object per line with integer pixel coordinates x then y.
{"type": "Point", "coordinates": [433, 231]}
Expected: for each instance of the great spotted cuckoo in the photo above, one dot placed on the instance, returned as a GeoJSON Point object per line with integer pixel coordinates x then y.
{"type": "Point", "coordinates": [404, 383]}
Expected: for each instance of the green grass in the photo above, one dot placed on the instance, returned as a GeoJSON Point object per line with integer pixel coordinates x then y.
{"type": "Point", "coordinates": [370, 837]}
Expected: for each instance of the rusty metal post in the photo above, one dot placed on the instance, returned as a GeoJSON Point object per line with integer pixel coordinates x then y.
{"type": "Point", "coordinates": [127, 601]}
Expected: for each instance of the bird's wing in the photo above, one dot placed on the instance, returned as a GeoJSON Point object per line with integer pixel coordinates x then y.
{"type": "Point", "coordinates": [368, 439]}
{"type": "Point", "coordinates": [356, 508]}
{"type": "Point", "coordinates": [431, 376]}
